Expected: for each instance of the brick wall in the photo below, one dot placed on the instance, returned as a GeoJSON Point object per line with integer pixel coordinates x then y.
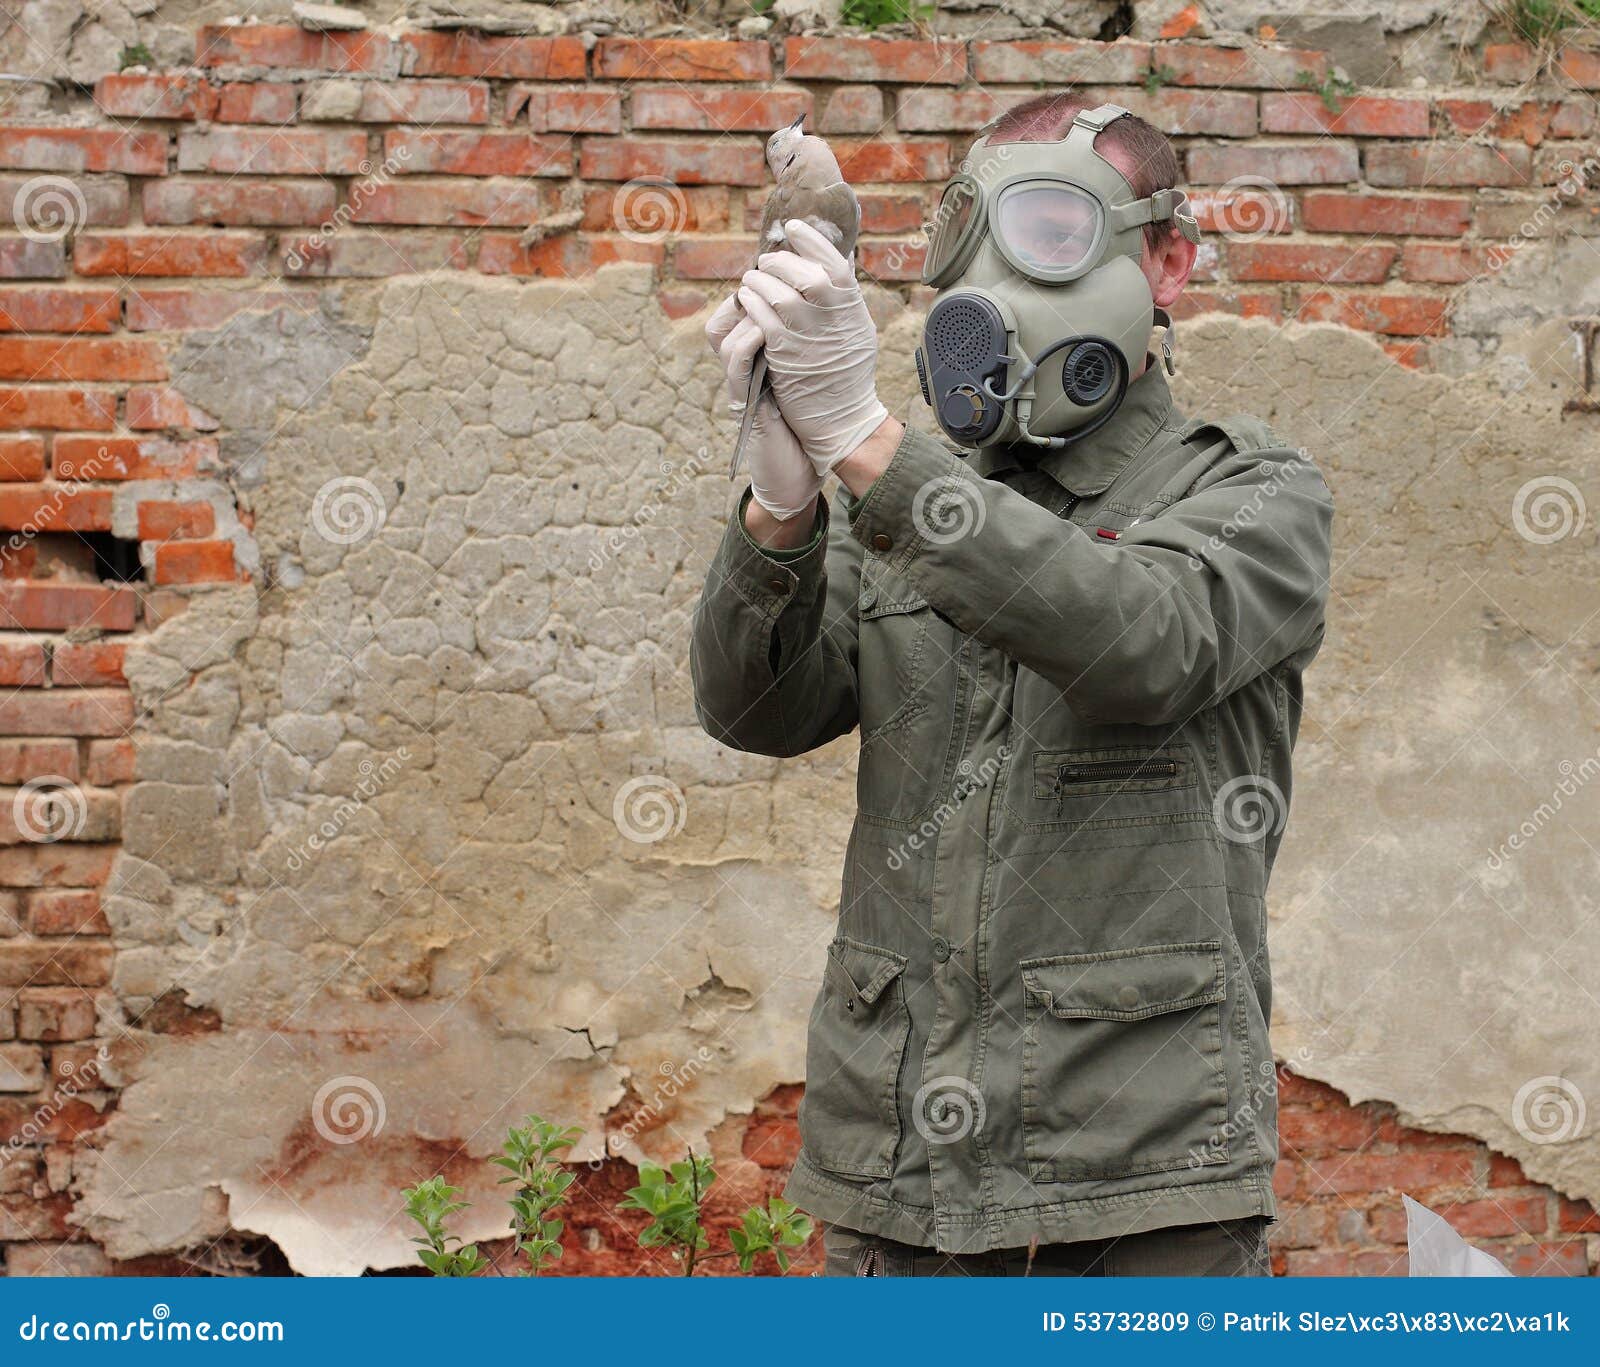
{"type": "Point", "coordinates": [284, 161]}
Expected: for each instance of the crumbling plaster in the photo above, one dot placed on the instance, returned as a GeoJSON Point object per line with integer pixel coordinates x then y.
{"type": "Point", "coordinates": [449, 695]}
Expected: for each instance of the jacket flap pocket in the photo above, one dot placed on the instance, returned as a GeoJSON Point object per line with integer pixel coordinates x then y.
{"type": "Point", "coordinates": [883, 594]}
{"type": "Point", "coordinates": [867, 969]}
{"type": "Point", "coordinates": [1127, 984]}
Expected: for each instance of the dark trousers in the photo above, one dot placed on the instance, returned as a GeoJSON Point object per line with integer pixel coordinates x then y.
{"type": "Point", "coordinates": [1231, 1248]}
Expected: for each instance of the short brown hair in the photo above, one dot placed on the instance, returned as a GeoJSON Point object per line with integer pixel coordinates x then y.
{"type": "Point", "coordinates": [1152, 161]}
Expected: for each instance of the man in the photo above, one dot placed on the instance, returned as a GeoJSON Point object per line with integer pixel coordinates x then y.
{"type": "Point", "coordinates": [1075, 660]}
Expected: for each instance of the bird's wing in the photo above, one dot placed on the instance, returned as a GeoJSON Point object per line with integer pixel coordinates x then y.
{"type": "Point", "coordinates": [837, 205]}
{"type": "Point", "coordinates": [774, 213]}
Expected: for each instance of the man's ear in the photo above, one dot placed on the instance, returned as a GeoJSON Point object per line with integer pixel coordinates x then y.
{"type": "Point", "coordinates": [1168, 267]}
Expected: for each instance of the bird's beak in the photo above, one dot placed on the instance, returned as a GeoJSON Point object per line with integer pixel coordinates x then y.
{"type": "Point", "coordinates": [798, 122]}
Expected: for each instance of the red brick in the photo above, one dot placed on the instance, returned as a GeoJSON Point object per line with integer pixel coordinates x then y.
{"type": "Point", "coordinates": [256, 102]}
{"type": "Point", "coordinates": [682, 303]}
{"type": "Point", "coordinates": [1578, 1217]}
{"type": "Point", "coordinates": [1400, 215]}
{"type": "Point", "coordinates": [653, 210]}
{"type": "Point", "coordinates": [54, 1014]}
{"type": "Point", "coordinates": [772, 1142]}
{"type": "Point", "coordinates": [90, 409]}
{"type": "Point", "coordinates": [933, 110]}
{"type": "Point", "coordinates": [1579, 66]}
{"type": "Point", "coordinates": [892, 261]}
{"type": "Point", "coordinates": [61, 508]}
{"type": "Point", "coordinates": [1506, 1172]}
{"type": "Point", "coordinates": [1295, 163]}
{"type": "Point", "coordinates": [1531, 121]}
{"type": "Point", "coordinates": [129, 151]}
{"type": "Point", "coordinates": [417, 152]}
{"type": "Point", "coordinates": [1510, 63]}
{"type": "Point", "coordinates": [21, 458]}
{"type": "Point", "coordinates": [109, 762]}
{"type": "Point", "coordinates": [182, 310]}
{"type": "Point", "coordinates": [471, 54]}
{"type": "Point", "coordinates": [1545, 1259]}
{"type": "Point", "coordinates": [195, 562]}
{"type": "Point", "coordinates": [1443, 263]}
{"type": "Point", "coordinates": [21, 664]}
{"type": "Point", "coordinates": [76, 963]}
{"type": "Point", "coordinates": [888, 213]}
{"type": "Point", "coordinates": [65, 712]}
{"type": "Point", "coordinates": [373, 255]}
{"type": "Point", "coordinates": [1363, 116]}
{"type": "Point", "coordinates": [40, 359]}
{"type": "Point", "coordinates": [61, 865]}
{"type": "Point", "coordinates": [286, 45]}
{"type": "Point", "coordinates": [425, 102]}
{"type": "Point", "coordinates": [460, 204]}
{"type": "Point", "coordinates": [21, 760]}
{"type": "Point", "coordinates": [74, 1121]}
{"type": "Point", "coordinates": [155, 97]}
{"type": "Point", "coordinates": [1333, 264]}
{"type": "Point", "coordinates": [1405, 315]}
{"type": "Point", "coordinates": [1335, 1263]}
{"type": "Point", "coordinates": [718, 111]}
{"type": "Point", "coordinates": [1490, 1219]}
{"type": "Point", "coordinates": [239, 203]}
{"type": "Point", "coordinates": [66, 911]}
{"type": "Point", "coordinates": [152, 410]}
{"type": "Point", "coordinates": [47, 1259]}
{"type": "Point", "coordinates": [54, 206]}
{"type": "Point", "coordinates": [904, 61]}
{"type": "Point", "coordinates": [1236, 212]}
{"type": "Point", "coordinates": [1442, 163]}
{"type": "Point", "coordinates": [903, 159]}
{"type": "Point", "coordinates": [95, 664]}
{"type": "Point", "coordinates": [21, 259]}
{"type": "Point", "coordinates": [131, 457]}
{"type": "Point", "coordinates": [1192, 113]}
{"type": "Point", "coordinates": [1265, 68]}
{"type": "Point", "coordinates": [684, 163]}
{"type": "Point", "coordinates": [52, 310]}
{"type": "Point", "coordinates": [563, 256]}
{"type": "Point", "coordinates": [1321, 1131]}
{"type": "Point", "coordinates": [275, 152]}
{"type": "Point", "coordinates": [682, 59]}
{"type": "Point", "coordinates": [170, 254]}
{"type": "Point", "coordinates": [1066, 63]}
{"type": "Point", "coordinates": [165, 520]}
{"type": "Point", "coordinates": [855, 109]}
{"type": "Point", "coordinates": [21, 1070]}
{"type": "Point", "coordinates": [61, 607]}
{"type": "Point", "coordinates": [551, 109]}
{"type": "Point", "coordinates": [713, 258]}
{"type": "Point", "coordinates": [1409, 1172]}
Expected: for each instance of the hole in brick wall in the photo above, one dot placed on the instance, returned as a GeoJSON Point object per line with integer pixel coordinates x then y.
{"type": "Point", "coordinates": [116, 559]}
{"type": "Point", "coordinates": [71, 557]}
{"type": "Point", "coordinates": [1119, 25]}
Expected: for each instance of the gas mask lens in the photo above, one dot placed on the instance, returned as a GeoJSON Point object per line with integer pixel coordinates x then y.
{"type": "Point", "coordinates": [1049, 231]}
{"type": "Point", "coordinates": [952, 227]}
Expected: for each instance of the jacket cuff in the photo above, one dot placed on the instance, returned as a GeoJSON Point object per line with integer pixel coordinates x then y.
{"type": "Point", "coordinates": [916, 499]}
{"type": "Point", "coordinates": [769, 581]}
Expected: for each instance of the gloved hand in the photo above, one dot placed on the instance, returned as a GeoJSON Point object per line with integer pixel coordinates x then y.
{"type": "Point", "coordinates": [782, 480]}
{"type": "Point", "coordinates": [822, 348]}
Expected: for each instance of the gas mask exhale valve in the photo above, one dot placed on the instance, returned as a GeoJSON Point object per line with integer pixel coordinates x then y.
{"type": "Point", "coordinates": [1042, 304]}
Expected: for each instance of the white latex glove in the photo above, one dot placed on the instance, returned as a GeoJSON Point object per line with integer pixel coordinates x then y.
{"type": "Point", "coordinates": [782, 480]}
{"type": "Point", "coordinates": [822, 349]}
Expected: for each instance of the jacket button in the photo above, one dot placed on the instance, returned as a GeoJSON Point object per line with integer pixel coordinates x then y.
{"type": "Point", "coordinates": [849, 1003]}
{"type": "Point", "coordinates": [882, 542]}
{"type": "Point", "coordinates": [941, 948]}
{"type": "Point", "coordinates": [1128, 998]}
{"type": "Point", "coordinates": [778, 585]}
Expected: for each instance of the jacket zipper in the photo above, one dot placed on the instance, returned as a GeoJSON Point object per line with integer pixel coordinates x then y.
{"type": "Point", "coordinates": [1112, 771]}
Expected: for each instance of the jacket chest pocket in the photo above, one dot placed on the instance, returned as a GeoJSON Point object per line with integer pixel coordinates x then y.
{"type": "Point", "coordinates": [1122, 1067]}
{"type": "Point", "coordinates": [907, 667]}
{"type": "Point", "coordinates": [849, 1117]}
{"type": "Point", "coordinates": [1117, 785]}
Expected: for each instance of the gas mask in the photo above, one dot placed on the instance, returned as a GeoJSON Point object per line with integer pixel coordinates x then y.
{"type": "Point", "coordinates": [1042, 307]}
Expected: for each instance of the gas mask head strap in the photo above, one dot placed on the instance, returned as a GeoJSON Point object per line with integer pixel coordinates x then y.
{"type": "Point", "coordinates": [1162, 207]}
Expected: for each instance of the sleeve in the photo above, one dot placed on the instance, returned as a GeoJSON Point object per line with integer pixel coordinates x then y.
{"type": "Point", "coordinates": [773, 650]}
{"type": "Point", "coordinates": [1189, 605]}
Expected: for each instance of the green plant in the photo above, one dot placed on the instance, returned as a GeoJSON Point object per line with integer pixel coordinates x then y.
{"type": "Point", "coordinates": [772, 1229]}
{"type": "Point", "coordinates": [1540, 21]}
{"type": "Point", "coordinates": [672, 1198]}
{"type": "Point", "coordinates": [880, 13]}
{"type": "Point", "coordinates": [1332, 89]}
{"type": "Point", "coordinates": [430, 1203]}
{"type": "Point", "coordinates": [541, 1185]}
{"type": "Point", "coordinates": [136, 55]}
{"type": "Point", "coordinates": [1157, 77]}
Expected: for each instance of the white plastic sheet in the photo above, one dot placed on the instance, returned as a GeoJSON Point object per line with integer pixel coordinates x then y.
{"type": "Point", "coordinates": [1438, 1251]}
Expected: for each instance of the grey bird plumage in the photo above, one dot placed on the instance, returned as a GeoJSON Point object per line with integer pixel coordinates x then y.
{"type": "Point", "coordinates": [811, 188]}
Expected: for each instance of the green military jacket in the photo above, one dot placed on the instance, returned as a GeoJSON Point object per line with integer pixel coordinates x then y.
{"type": "Point", "coordinates": [1077, 679]}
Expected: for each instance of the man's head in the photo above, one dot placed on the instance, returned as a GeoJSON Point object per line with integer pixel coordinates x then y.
{"type": "Point", "coordinates": [1139, 150]}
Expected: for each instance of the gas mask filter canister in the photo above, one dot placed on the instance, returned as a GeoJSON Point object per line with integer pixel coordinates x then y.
{"type": "Point", "coordinates": [1042, 304]}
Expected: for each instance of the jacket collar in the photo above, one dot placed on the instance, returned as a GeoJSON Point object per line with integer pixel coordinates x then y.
{"type": "Point", "coordinates": [1089, 466]}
